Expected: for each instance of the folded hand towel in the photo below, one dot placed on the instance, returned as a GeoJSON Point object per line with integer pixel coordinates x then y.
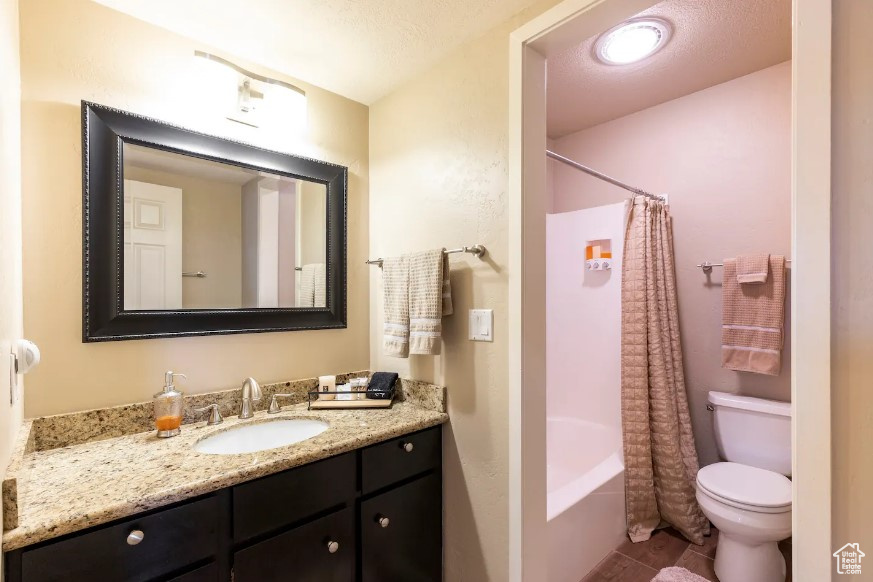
{"type": "Point", "coordinates": [307, 286]}
{"type": "Point", "coordinates": [381, 385]}
{"type": "Point", "coordinates": [447, 287]}
{"type": "Point", "coordinates": [395, 282]}
{"type": "Point", "coordinates": [319, 285]}
{"type": "Point", "coordinates": [753, 268]}
{"type": "Point", "coordinates": [426, 283]}
{"type": "Point", "coordinates": [752, 320]}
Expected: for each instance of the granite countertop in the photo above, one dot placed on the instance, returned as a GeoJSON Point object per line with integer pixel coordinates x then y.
{"type": "Point", "coordinates": [63, 490]}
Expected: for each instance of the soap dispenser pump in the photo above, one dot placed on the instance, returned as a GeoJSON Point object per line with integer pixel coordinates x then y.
{"type": "Point", "coordinates": [169, 407]}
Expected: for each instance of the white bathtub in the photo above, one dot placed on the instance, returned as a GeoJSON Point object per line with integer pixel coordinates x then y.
{"type": "Point", "coordinates": [585, 506]}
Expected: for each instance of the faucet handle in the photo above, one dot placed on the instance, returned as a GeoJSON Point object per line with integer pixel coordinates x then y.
{"type": "Point", "coordinates": [168, 378]}
{"type": "Point", "coordinates": [214, 414]}
{"type": "Point", "coordinates": [274, 404]}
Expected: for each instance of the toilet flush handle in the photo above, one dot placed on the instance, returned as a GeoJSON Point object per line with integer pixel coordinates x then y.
{"type": "Point", "coordinates": [710, 408]}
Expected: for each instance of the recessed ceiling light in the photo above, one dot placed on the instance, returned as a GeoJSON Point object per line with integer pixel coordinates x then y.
{"type": "Point", "coordinates": [632, 41]}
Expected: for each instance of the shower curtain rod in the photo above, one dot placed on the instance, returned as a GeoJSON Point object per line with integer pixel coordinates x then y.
{"type": "Point", "coordinates": [603, 177]}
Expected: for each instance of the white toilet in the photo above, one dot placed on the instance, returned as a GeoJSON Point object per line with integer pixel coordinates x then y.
{"type": "Point", "coordinates": [748, 498]}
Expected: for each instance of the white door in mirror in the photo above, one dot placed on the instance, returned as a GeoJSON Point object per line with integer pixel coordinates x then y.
{"type": "Point", "coordinates": [482, 325]}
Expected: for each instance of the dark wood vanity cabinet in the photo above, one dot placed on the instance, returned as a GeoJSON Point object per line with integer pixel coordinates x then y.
{"type": "Point", "coordinates": [401, 533]}
{"type": "Point", "coordinates": [370, 515]}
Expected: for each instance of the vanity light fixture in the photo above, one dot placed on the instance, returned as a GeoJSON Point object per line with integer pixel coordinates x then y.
{"type": "Point", "coordinates": [252, 99]}
{"type": "Point", "coordinates": [632, 41]}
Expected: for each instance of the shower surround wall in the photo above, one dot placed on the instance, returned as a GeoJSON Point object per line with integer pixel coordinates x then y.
{"type": "Point", "coordinates": [585, 503]}
{"type": "Point", "coordinates": [583, 316]}
{"type": "Point", "coordinates": [723, 155]}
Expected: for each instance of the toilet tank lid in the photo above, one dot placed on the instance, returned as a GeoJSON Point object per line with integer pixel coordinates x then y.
{"type": "Point", "coordinates": [749, 403]}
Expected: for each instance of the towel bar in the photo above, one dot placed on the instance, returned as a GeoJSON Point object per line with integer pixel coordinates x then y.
{"type": "Point", "coordinates": [477, 250]}
{"type": "Point", "coordinates": [707, 266]}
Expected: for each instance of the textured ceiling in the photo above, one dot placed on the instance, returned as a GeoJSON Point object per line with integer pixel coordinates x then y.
{"type": "Point", "coordinates": [713, 41]}
{"type": "Point", "coordinates": [361, 49]}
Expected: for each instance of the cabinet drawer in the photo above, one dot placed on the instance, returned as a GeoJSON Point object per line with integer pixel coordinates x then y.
{"type": "Point", "coordinates": [303, 554]}
{"type": "Point", "coordinates": [279, 500]}
{"type": "Point", "coordinates": [171, 539]}
{"type": "Point", "coordinates": [207, 573]}
{"type": "Point", "coordinates": [401, 533]}
{"type": "Point", "coordinates": [397, 459]}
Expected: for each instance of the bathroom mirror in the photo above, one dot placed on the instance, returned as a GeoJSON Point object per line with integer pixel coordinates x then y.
{"type": "Point", "coordinates": [189, 234]}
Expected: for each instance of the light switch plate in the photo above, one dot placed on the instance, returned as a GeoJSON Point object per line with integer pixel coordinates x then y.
{"type": "Point", "coordinates": [481, 325]}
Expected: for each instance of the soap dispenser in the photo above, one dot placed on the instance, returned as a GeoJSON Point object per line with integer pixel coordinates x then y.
{"type": "Point", "coordinates": [169, 406]}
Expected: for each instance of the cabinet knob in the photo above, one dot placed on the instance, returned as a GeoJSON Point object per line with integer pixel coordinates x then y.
{"type": "Point", "coordinates": [383, 521]}
{"type": "Point", "coordinates": [332, 547]}
{"type": "Point", "coordinates": [135, 537]}
{"type": "Point", "coordinates": [408, 447]}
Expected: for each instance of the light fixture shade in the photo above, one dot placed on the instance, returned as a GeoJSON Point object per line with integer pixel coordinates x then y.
{"type": "Point", "coordinates": [632, 41]}
{"type": "Point", "coordinates": [285, 108]}
{"type": "Point", "coordinates": [240, 95]}
{"type": "Point", "coordinates": [216, 86]}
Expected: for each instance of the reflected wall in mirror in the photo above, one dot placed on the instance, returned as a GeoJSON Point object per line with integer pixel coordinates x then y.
{"type": "Point", "coordinates": [200, 234]}
{"type": "Point", "coordinates": [193, 234]}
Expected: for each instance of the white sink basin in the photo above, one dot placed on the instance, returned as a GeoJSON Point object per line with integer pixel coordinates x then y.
{"type": "Point", "coordinates": [260, 436]}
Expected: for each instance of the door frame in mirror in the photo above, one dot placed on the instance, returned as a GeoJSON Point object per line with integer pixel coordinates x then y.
{"type": "Point", "coordinates": [104, 131]}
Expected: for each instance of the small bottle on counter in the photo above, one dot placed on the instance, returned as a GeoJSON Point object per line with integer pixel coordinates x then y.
{"type": "Point", "coordinates": [326, 386]}
{"type": "Point", "coordinates": [359, 385]}
{"type": "Point", "coordinates": [344, 392]}
{"type": "Point", "coordinates": [169, 406]}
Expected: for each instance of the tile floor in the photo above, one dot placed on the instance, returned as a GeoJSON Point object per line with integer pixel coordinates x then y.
{"type": "Point", "coordinates": [641, 562]}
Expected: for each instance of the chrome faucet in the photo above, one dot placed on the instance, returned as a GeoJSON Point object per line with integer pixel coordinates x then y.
{"type": "Point", "coordinates": [251, 392]}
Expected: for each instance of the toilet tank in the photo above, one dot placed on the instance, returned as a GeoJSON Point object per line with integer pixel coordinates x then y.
{"type": "Point", "coordinates": [753, 431]}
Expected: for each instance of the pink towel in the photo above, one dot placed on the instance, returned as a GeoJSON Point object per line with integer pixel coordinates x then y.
{"type": "Point", "coordinates": [753, 268]}
{"type": "Point", "coordinates": [752, 320]}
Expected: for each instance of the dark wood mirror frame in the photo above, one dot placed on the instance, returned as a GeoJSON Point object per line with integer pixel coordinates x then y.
{"type": "Point", "coordinates": [104, 131]}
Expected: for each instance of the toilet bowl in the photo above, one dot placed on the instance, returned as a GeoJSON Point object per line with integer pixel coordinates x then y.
{"type": "Point", "coordinates": [751, 508]}
{"type": "Point", "coordinates": [748, 497]}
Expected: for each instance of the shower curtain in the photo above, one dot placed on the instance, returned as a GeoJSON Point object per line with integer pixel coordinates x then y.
{"type": "Point", "coordinates": [660, 459]}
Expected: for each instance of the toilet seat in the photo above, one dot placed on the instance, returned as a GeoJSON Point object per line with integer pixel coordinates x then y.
{"type": "Point", "coordinates": [744, 487]}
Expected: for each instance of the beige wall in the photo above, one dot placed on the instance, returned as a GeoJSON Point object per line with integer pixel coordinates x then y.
{"type": "Point", "coordinates": [10, 223]}
{"type": "Point", "coordinates": [851, 282]}
{"type": "Point", "coordinates": [438, 156]}
{"type": "Point", "coordinates": [77, 49]}
{"type": "Point", "coordinates": [211, 237]}
{"type": "Point", "coordinates": [723, 155]}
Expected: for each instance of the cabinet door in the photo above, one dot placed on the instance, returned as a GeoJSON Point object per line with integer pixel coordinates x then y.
{"type": "Point", "coordinates": [401, 533]}
{"type": "Point", "coordinates": [320, 551]}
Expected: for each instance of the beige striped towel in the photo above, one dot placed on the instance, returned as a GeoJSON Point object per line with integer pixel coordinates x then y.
{"type": "Point", "coordinates": [447, 287]}
{"type": "Point", "coordinates": [395, 283]}
{"type": "Point", "coordinates": [319, 285]}
{"type": "Point", "coordinates": [307, 286]}
{"type": "Point", "coordinates": [753, 268]}
{"type": "Point", "coordinates": [752, 320]}
{"type": "Point", "coordinates": [418, 295]}
{"type": "Point", "coordinates": [426, 283]}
